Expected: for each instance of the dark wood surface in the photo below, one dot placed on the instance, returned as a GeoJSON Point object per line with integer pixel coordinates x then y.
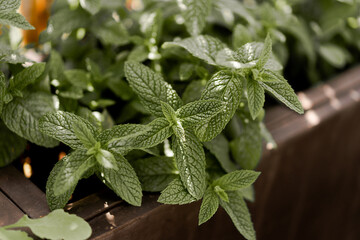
{"type": "Point", "coordinates": [309, 187]}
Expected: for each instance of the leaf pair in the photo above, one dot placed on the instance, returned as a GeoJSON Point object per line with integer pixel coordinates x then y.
{"type": "Point", "coordinates": [225, 191]}
{"type": "Point", "coordinates": [92, 154]}
{"type": "Point", "coordinates": [160, 99]}
{"type": "Point", "coordinates": [56, 225]}
{"type": "Point", "coordinates": [253, 62]}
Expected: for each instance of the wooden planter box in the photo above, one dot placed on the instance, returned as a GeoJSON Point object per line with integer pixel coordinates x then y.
{"type": "Point", "coordinates": [309, 187]}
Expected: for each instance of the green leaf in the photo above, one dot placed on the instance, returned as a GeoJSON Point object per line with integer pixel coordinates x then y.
{"type": "Point", "coordinates": [13, 234]}
{"type": "Point", "coordinates": [15, 19]}
{"type": "Point", "coordinates": [246, 148]}
{"type": "Point", "coordinates": [123, 181]}
{"type": "Point", "coordinates": [209, 205]}
{"type": "Point", "coordinates": [281, 90]}
{"type": "Point", "coordinates": [75, 165]}
{"type": "Point", "coordinates": [195, 13]}
{"type": "Point", "coordinates": [334, 54]}
{"type": "Point", "coordinates": [190, 159]}
{"type": "Point", "coordinates": [57, 201]}
{"type": "Point", "coordinates": [239, 213]}
{"type": "Point", "coordinates": [22, 116]}
{"type": "Point", "coordinates": [255, 96]}
{"type": "Point", "coordinates": [204, 47]}
{"type": "Point", "coordinates": [186, 70]}
{"type": "Point", "coordinates": [106, 159]}
{"type": "Point", "coordinates": [65, 21]}
{"type": "Point", "coordinates": [112, 33]}
{"type": "Point", "coordinates": [92, 6]}
{"type": "Point", "coordinates": [57, 225]}
{"type": "Point", "coordinates": [151, 26]}
{"type": "Point", "coordinates": [2, 91]}
{"type": "Point", "coordinates": [226, 87]}
{"type": "Point", "coordinates": [11, 145]}
{"type": "Point", "coordinates": [120, 131]}
{"type": "Point", "coordinates": [193, 91]}
{"type": "Point", "coordinates": [219, 147]}
{"type": "Point", "coordinates": [27, 76]}
{"type": "Point", "coordinates": [248, 193]}
{"type": "Point", "coordinates": [169, 113]}
{"type": "Point", "coordinates": [236, 180]}
{"type": "Point", "coordinates": [157, 131]}
{"type": "Point", "coordinates": [265, 53]}
{"type": "Point", "coordinates": [221, 193]}
{"type": "Point", "coordinates": [6, 5]}
{"type": "Point", "coordinates": [199, 111]}
{"type": "Point", "coordinates": [83, 133]}
{"type": "Point", "coordinates": [155, 173]}
{"type": "Point", "coordinates": [151, 88]}
{"type": "Point", "coordinates": [176, 193]}
{"type": "Point", "coordinates": [267, 136]}
{"type": "Point", "coordinates": [241, 36]}
{"type": "Point", "coordinates": [78, 78]}
{"type": "Point", "coordinates": [59, 125]}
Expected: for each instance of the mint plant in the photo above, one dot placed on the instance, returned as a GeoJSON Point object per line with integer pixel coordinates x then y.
{"type": "Point", "coordinates": [166, 96]}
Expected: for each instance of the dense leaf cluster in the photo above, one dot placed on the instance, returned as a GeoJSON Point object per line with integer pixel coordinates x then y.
{"type": "Point", "coordinates": [158, 96]}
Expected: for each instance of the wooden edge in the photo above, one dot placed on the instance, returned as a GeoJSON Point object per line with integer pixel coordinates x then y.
{"type": "Point", "coordinates": [94, 204]}
{"type": "Point", "coordinates": [26, 195]}
{"type": "Point", "coordinates": [9, 212]}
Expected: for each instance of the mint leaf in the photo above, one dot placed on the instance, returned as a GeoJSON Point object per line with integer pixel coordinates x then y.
{"type": "Point", "coordinates": [11, 145]}
{"type": "Point", "coordinates": [204, 47]}
{"type": "Point", "coordinates": [59, 125]}
{"type": "Point", "coordinates": [92, 6]}
{"type": "Point", "coordinates": [190, 159]}
{"type": "Point", "coordinates": [246, 148]}
{"type": "Point", "coordinates": [22, 116]}
{"type": "Point", "coordinates": [75, 165]}
{"type": "Point", "coordinates": [78, 78]}
{"type": "Point", "coordinates": [157, 131]}
{"type": "Point", "coordinates": [155, 173]}
{"type": "Point", "coordinates": [255, 96]}
{"type": "Point", "coordinates": [57, 201]}
{"type": "Point", "coordinates": [83, 133]}
{"type": "Point", "coordinates": [57, 225]}
{"type": "Point", "coordinates": [195, 13]}
{"type": "Point", "coordinates": [65, 21]}
{"type": "Point", "coordinates": [9, 4]}
{"type": "Point", "coordinates": [209, 205]}
{"type": "Point", "coordinates": [120, 131]}
{"type": "Point", "coordinates": [13, 234]}
{"type": "Point", "coordinates": [169, 113]}
{"type": "Point", "coordinates": [265, 53]}
{"type": "Point", "coordinates": [227, 87]}
{"type": "Point", "coordinates": [193, 91]}
{"type": "Point", "coordinates": [236, 180]}
{"type": "Point", "coordinates": [112, 33]}
{"type": "Point", "coordinates": [248, 193]}
{"type": "Point", "coordinates": [176, 193]}
{"type": "Point", "coordinates": [221, 193]}
{"type": "Point", "coordinates": [123, 181]}
{"type": "Point", "coordinates": [151, 26]}
{"type": "Point", "coordinates": [151, 88]}
{"type": "Point", "coordinates": [281, 90]}
{"type": "Point", "coordinates": [9, 16]}
{"type": "Point", "coordinates": [2, 91]}
{"type": "Point", "coordinates": [239, 213]}
{"type": "Point", "coordinates": [267, 135]}
{"type": "Point", "coordinates": [219, 147]}
{"type": "Point", "coordinates": [106, 159]}
{"type": "Point", "coordinates": [27, 76]}
{"type": "Point", "coordinates": [199, 111]}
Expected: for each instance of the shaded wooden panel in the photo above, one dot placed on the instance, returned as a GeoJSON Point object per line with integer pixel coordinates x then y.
{"type": "Point", "coordinates": [9, 212]}
{"type": "Point", "coordinates": [154, 221]}
{"type": "Point", "coordinates": [94, 204]}
{"type": "Point", "coordinates": [29, 198]}
{"type": "Point", "coordinates": [310, 186]}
